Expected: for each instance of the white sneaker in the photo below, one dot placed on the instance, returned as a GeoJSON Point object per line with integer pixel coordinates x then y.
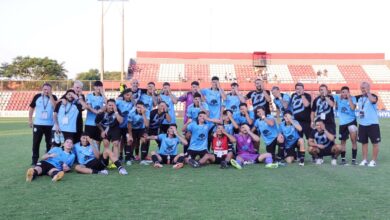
{"type": "Point", "coordinates": [301, 164]}
{"type": "Point", "coordinates": [363, 163]}
{"type": "Point", "coordinates": [334, 162]}
{"type": "Point", "coordinates": [128, 163]}
{"type": "Point", "coordinates": [372, 163]}
{"type": "Point", "coordinates": [319, 161]}
{"type": "Point", "coordinates": [103, 172]}
{"type": "Point", "coordinates": [145, 162]}
{"type": "Point", "coordinates": [123, 171]}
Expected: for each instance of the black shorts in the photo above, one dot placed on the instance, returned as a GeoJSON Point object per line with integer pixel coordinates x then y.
{"type": "Point", "coordinates": [344, 131]}
{"type": "Point", "coordinates": [306, 129]}
{"type": "Point", "coordinates": [270, 148]}
{"type": "Point", "coordinates": [97, 164]}
{"type": "Point", "coordinates": [326, 151]}
{"type": "Point", "coordinates": [370, 131]}
{"type": "Point", "coordinates": [93, 132]}
{"type": "Point", "coordinates": [138, 133]}
{"type": "Point", "coordinates": [46, 167]}
{"type": "Point", "coordinates": [153, 132]}
{"type": "Point", "coordinates": [291, 152]}
{"type": "Point", "coordinates": [218, 160]}
{"type": "Point", "coordinates": [193, 153]}
{"type": "Point", "coordinates": [165, 159]}
{"type": "Point", "coordinates": [331, 128]}
{"type": "Point", "coordinates": [114, 134]}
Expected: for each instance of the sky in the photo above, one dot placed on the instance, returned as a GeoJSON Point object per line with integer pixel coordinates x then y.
{"type": "Point", "coordinates": [69, 30]}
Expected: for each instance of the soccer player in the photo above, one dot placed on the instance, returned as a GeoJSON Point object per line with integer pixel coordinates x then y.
{"type": "Point", "coordinates": [54, 163]}
{"type": "Point", "coordinates": [323, 109]}
{"type": "Point", "coordinates": [244, 116]}
{"type": "Point", "coordinates": [196, 107]}
{"type": "Point", "coordinates": [135, 91]}
{"type": "Point", "coordinates": [222, 147]}
{"type": "Point", "coordinates": [189, 97]}
{"type": "Point", "coordinates": [168, 152]}
{"type": "Point", "coordinates": [138, 121]}
{"type": "Point", "coordinates": [234, 99]}
{"type": "Point", "coordinates": [170, 99]}
{"type": "Point", "coordinates": [290, 140]}
{"type": "Point", "coordinates": [301, 109]}
{"type": "Point", "coordinates": [266, 126]}
{"type": "Point", "coordinates": [260, 97]}
{"type": "Point", "coordinates": [157, 116]}
{"type": "Point", "coordinates": [149, 97]}
{"type": "Point", "coordinates": [281, 100]}
{"type": "Point", "coordinates": [91, 161]}
{"type": "Point", "coordinates": [213, 97]}
{"type": "Point", "coordinates": [125, 105]}
{"type": "Point", "coordinates": [95, 102]}
{"type": "Point", "coordinates": [78, 88]}
{"type": "Point", "coordinates": [246, 153]}
{"type": "Point", "coordinates": [199, 130]}
{"type": "Point", "coordinates": [346, 105]}
{"type": "Point", "coordinates": [66, 114]}
{"type": "Point", "coordinates": [228, 122]}
{"type": "Point", "coordinates": [368, 124]}
{"type": "Point", "coordinates": [108, 123]}
{"type": "Point", "coordinates": [322, 144]}
{"type": "Point", "coordinates": [43, 104]}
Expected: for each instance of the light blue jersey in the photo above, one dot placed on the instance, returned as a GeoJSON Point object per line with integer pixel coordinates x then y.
{"type": "Point", "coordinates": [125, 108]}
{"type": "Point", "coordinates": [148, 101]}
{"type": "Point", "coordinates": [241, 119]}
{"type": "Point", "coordinates": [199, 136]}
{"type": "Point", "coordinates": [232, 103]}
{"type": "Point", "coordinates": [168, 146]}
{"type": "Point", "coordinates": [67, 116]}
{"type": "Point", "coordinates": [192, 111]}
{"type": "Point", "coordinates": [137, 120]}
{"type": "Point", "coordinates": [368, 112]}
{"type": "Point", "coordinates": [214, 101]}
{"type": "Point", "coordinates": [96, 102]}
{"type": "Point", "coordinates": [344, 112]}
{"type": "Point", "coordinates": [279, 104]}
{"type": "Point", "coordinates": [290, 134]}
{"type": "Point", "coordinates": [171, 109]}
{"type": "Point", "coordinates": [61, 158]}
{"type": "Point", "coordinates": [268, 133]}
{"type": "Point", "coordinates": [84, 154]}
{"type": "Point", "coordinates": [43, 110]}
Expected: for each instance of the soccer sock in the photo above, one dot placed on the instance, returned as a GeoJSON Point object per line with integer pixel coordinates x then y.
{"type": "Point", "coordinates": [155, 158]}
{"type": "Point", "coordinates": [281, 153]}
{"type": "Point", "coordinates": [144, 150]}
{"type": "Point", "coordinates": [128, 152]}
{"type": "Point", "coordinates": [180, 159]}
{"type": "Point", "coordinates": [268, 160]}
{"type": "Point", "coordinates": [302, 157]}
{"type": "Point", "coordinates": [118, 164]}
{"type": "Point", "coordinates": [342, 155]}
{"type": "Point", "coordinates": [136, 151]}
{"type": "Point", "coordinates": [35, 174]}
{"type": "Point", "coordinates": [54, 173]}
{"type": "Point", "coordinates": [354, 152]}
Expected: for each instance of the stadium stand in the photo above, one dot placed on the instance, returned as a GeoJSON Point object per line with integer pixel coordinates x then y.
{"type": "Point", "coordinates": [378, 73]}
{"type": "Point", "coordinates": [225, 72]}
{"type": "Point", "coordinates": [4, 99]}
{"type": "Point", "coordinates": [330, 74]}
{"type": "Point", "coordinates": [198, 72]}
{"type": "Point", "coordinates": [302, 73]}
{"type": "Point", "coordinates": [281, 71]}
{"type": "Point", "coordinates": [147, 72]}
{"type": "Point", "coordinates": [354, 73]}
{"type": "Point", "coordinates": [171, 73]}
{"type": "Point", "coordinates": [244, 73]}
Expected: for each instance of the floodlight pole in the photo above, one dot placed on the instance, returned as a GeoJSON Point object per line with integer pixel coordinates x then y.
{"type": "Point", "coordinates": [102, 44]}
{"type": "Point", "coordinates": [123, 41]}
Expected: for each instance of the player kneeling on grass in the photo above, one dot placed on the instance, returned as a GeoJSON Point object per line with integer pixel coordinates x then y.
{"type": "Point", "coordinates": [91, 161]}
{"type": "Point", "coordinates": [246, 153]}
{"type": "Point", "coordinates": [289, 139]}
{"type": "Point", "coordinates": [222, 148]}
{"type": "Point", "coordinates": [168, 152]}
{"type": "Point", "coordinates": [54, 163]}
{"type": "Point", "coordinates": [322, 144]}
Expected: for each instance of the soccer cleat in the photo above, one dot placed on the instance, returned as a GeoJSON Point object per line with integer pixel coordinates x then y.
{"type": "Point", "coordinates": [29, 175]}
{"type": "Point", "coordinates": [301, 164]}
{"type": "Point", "coordinates": [111, 165]}
{"type": "Point", "coordinates": [122, 171]}
{"type": "Point", "coordinates": [281, 164]}
{"type": "Point", "coordinates": [193, 163]}
{"type": "Point", "coordinates": [319, 161]}
{"type": "Point", "coordinates": [58, 176]}
{"type": "Point", "coordinates": [178, 165]}
{"type": "Point", "coordinates": [344, 163]}
{"type": "Point", "coordinates": [235, 164]}
{"type": "Point", "coordinates": [128, 163]}
{"type": "Point", "coordinates": [145, 162]}
{"type": "Point", "coordinates": [224, 165]}
{"type": "Point", "coordinates": [271, 165]}
{"type": "Point", "coordinates": [353, 162]}
{"type": "Point", "coordinates": [372, 164]}
{"type": "Point", "coordinates": [334, 162]}
{"type": "Point", "coordinates": [103, 172]}
{"type": "Point", "coordinates": [157, 165]}
{"type": "Point", "coordinates": [363, 163]}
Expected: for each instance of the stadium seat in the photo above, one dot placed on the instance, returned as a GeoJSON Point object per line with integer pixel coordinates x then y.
{"type": "Point", "coordinates": [225, 72]}
{"type": "Point", "coordinates": [353, 73]}
{"type": "Point", "coordinates": [198, 72]}
{"type": "Point", "coordinates": [302, 73]}
{"type": "Point", "coordinates": [147, 72]}
{"type": "Point", "coordinates": [244, 72]}
{"type": "Point", "coordinates": [333, 74]}
{"type": "Point", "coordinates": [281, 71]}
{"type": "Point", "coordinates": [378, 73]}
{"type": "Point", "coordinates": [171, 73]}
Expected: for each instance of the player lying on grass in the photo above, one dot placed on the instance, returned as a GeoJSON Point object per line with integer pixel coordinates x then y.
{"type": "Point", "coordinates": [223, 152]}
{"type": "Point", "coordinates": [289, 139]}
{"type": "Point", "coordinates": [168, 152]}
{"type": "Point", "coordinates": [54, 163]}
{"type": "Point", "coordinates": [322, 144]}
{"type": "Point", "coordinates": [91, 161]}
{"type": "Point", "coordinates": [246, 153]}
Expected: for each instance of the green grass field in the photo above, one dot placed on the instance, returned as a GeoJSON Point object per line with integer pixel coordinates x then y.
{"type": "Point", "coordinates": [292, 192]}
